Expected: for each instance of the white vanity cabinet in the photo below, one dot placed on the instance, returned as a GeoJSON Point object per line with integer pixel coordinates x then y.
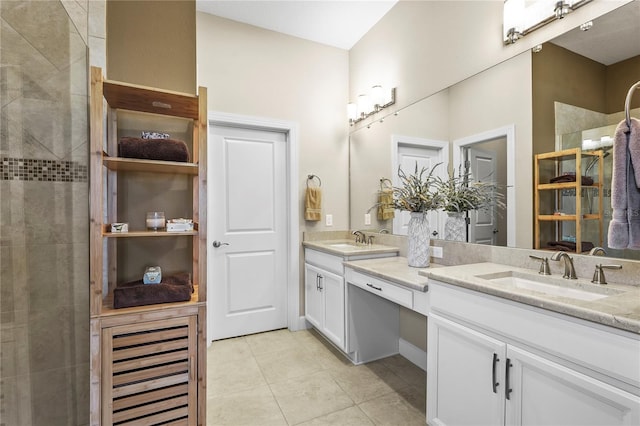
{"type": "Point", "coordinates": [325, 293]}
{"type": "Point", "coordinates": [324, 301]}
{"type": "Point", "coordinates": [498, 362]}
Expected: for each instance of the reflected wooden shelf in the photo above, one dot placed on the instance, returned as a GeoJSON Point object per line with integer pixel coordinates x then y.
{"type": "Point", "coordinates": [567, 217]}
{"type": "Point", "coordinates": [154, 166]}
{"type": "Point", "coordinates": [564, 185]}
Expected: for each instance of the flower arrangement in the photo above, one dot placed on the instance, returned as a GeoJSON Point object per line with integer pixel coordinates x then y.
{"type": "Point", "coordinates": [461, 194]}
{"type": "Point", "coordinates": [419, 191]}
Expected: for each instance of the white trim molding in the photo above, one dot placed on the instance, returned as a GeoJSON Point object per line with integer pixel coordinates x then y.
{"type": "Point", "coordinates": [508, 132]}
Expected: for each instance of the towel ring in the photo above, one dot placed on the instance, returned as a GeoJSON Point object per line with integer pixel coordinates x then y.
{"type": "Point", "coordinates": [627, 103]}
{"type": "Point", "coordinates": [385, 183]}
{"type": "Point", "coordinates": [311, 177]}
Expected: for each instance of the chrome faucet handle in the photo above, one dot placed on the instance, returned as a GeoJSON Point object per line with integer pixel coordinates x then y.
{"type": "Point", "coordinates": [598, 274]}
{"type": "Point", "coordinates": [544, 264]}
{"type": "Point", "coordinates": [370, 241]}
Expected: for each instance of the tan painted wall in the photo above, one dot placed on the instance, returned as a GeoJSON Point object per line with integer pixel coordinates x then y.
{"type": "Point", "coordinates": [620, 77]}
{"type": "Point", "coordinates": [152, 43]}
{"type": "Point", "coordinates": [256, 72]}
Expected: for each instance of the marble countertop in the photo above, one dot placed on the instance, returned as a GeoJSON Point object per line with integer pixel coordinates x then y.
{"type": "Point", "coordinates": [394, 269]}
{"type": "Point", "coordinates": [344, 247]}
{"type": "Point", "coordinates": [620, 309]}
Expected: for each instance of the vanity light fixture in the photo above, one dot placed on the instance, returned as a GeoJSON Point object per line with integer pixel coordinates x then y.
{"type": "Point", "coordinates": [520, 17]}
{"type": "Point", "coordinates": [367, 105]}
{"type": "Point", "coordinates": [562, 9]}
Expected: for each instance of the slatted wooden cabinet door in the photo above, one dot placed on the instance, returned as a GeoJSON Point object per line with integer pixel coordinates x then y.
{"type": "Point", "coordinates": [149, 372]}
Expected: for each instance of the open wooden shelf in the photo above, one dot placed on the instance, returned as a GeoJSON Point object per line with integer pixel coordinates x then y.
{"type": "Point", "coordinates": [153, 166]}
{"type": "Point", "coordinates": [558, 157]}
{"type": "Point", "coordinates": [148, 363]}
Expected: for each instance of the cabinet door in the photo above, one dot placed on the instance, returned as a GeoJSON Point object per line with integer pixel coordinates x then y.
{"type": "Point", "coordinates": [312, 296]}
{"type": "Point", "coordinates": [332, 289]}
{"type": "Point", "coordinates": [546, 393]}
{"type": "Point", "coordinates": [149, 372]}
{"type": "Point", "coordinates": [465, 380]}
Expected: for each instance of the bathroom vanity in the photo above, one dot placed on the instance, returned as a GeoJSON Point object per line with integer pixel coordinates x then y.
{"type": "Point", "coordinates": [511, 355]}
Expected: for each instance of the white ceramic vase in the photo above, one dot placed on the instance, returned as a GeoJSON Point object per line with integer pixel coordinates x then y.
{"type": "Point", "coordinates": [419, 240]}
{"type": "Point", "coordinates": [455, 228]}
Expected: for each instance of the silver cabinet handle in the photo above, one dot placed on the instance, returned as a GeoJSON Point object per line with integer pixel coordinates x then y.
{"type": "Point", "coordinates": [374, 287]}
{"type": "Point", "coordinates": [320, 278]}
{"type": "Point", "coordinates": [217, 244]}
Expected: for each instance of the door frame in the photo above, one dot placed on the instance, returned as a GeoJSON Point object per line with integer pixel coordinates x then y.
{"type": "Point", "coordinates": [508, 132]}
{"type": "Point", "coordinates": [441, 146]}
{"type": "Point", "coordinates": [290, 129]}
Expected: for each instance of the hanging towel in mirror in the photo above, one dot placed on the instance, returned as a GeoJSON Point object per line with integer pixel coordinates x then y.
{"type": "Point", "coordinates": [313, 204]}
{"type": "Point", "coordinates": [385, 204]}
{"type": "Point", "coordinates": [624, 228]}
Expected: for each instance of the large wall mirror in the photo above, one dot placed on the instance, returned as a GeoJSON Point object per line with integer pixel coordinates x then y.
{"type": "Point", "coordinates": [514, 102]}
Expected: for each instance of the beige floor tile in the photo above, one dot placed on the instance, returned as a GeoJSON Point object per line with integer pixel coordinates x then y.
{"type": "Point", "coordinates": [392, 409]}
{"type": "Point", "coordinates": [272, 341]}
{"type": "Point", "coordinates": [367, 381]}
{"type": "Point", "coordinates": [255, 406]}
{"type": "Point", "coordinates": [228, 350]}
{"type": "Point", "coordinates": [352, 416]}
{"type": "Point", "coordinates": [287, 364]}
{"type": "Point", "coordinates": [305, 398]}
{"type": "Point", "coordinates": [233, 376]}
{"type": "Point", "coordinates": [406, 370]}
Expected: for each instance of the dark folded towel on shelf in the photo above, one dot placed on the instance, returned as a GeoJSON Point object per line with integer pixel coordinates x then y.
{"type": "Point", "coordinates": [173, 288]}
{"type": "Point", "coordinates": [153, 149]}
{"type": "Point", "coordinates": [569, 245]}
{"type": "Point", "coordinates": [585, 180]}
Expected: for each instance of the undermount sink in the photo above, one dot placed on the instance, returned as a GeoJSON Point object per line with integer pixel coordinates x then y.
{"type": "Point", "coordinates": [550, 286]}
{"type": "Point", "coordinates": [343, 245]}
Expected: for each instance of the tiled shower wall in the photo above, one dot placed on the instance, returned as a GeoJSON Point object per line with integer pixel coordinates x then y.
{"type": "Point", "coordinates": [44, 304]}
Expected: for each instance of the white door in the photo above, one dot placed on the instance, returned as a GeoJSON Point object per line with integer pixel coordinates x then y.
{"type": "Point", "coordinates": [312, 296]}
{"type": "Point", "coordinates": [408, 155]}
{"type": "Point", "coordinates": [247, 206]}
{"type": "Point", "coordinates": [546, 393]}
{"type": "Point", "coordinates": [332, 289]}
{"type": "Point", "coordinates": [465, 383]}
{"type": "Point", "coordinates": [483, 227]}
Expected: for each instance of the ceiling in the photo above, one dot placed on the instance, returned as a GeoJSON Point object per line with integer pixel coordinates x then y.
{"type": "Point", "coordinates": [341, 23]}
{"type": "Point", "coordinates": [338, 23]}
{"type": "Point", "coordinates": [608, 42]}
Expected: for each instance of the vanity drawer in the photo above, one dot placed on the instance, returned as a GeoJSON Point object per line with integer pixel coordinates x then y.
{"type": "Point", "coordinates": [382, 288]}
{"type": "Point", "coordinates": [325, 261]}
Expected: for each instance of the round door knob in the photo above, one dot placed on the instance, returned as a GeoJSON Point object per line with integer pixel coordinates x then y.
{"type": "Point", "coordinates": [434, 233]}
{"type": "Point", "coordinates": [217, 244]}
{"type": "Point", "coordinates": [495, 231]}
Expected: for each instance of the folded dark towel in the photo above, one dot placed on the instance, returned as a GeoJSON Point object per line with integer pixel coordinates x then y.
{"type": "Point", "coordinates": [569, 245]}
{"type": "Point", "coordinates": [153, 149]}
{"type": "Point", "coordinates": [173, 288]}
{"type": "Point", "coordinates": [585, 180]}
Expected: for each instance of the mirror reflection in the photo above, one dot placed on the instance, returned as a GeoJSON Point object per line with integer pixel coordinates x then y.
{"type": "Point", "coordinates": [515, 93]}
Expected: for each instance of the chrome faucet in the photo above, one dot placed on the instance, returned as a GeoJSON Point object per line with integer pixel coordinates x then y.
{"type": "Point", "coordinates": [569, 271]}
{"type": "Point", "coordinates": [360, 237]}
{"type": "Point", "coordinates": [598, 275]}
{"type": "Point", "coordinates": [383, 231]}
{"type": "Point", "coordinates": [596, 251]}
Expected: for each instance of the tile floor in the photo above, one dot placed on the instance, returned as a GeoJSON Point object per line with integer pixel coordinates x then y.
{"type": "Point", "coordinates": [297, 378]}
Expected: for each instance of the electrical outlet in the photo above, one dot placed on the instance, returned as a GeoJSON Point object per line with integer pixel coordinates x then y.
{"type": "Point", "coordinates": [329, 220]}
{"type": "Point", "coordinates": [367, 219]}
{"type": "Point", "coordinates": [436, 252]}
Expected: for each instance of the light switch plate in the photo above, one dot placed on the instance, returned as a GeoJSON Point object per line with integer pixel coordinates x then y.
{"type": "Point", "coordinates": [329, 220]}
{"type": "Point", "coordinates": [436, 252]}
{"type": "Point", "coordinates": [367, 219]}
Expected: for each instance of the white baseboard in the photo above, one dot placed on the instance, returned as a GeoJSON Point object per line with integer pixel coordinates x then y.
{"type": "Point", "coordinates": [299, 323]}
{"type": "Point", "coordinates": [413, 353]}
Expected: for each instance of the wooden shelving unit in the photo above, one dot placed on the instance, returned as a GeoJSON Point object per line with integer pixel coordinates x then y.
{"type": "Point", "coordinates": [148, 363]}
{"type": "Point", "coordinates": [543, 213]}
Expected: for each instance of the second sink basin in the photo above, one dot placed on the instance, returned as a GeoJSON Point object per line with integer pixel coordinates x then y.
{"type": "Point", "coordinates": [550, 286]}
